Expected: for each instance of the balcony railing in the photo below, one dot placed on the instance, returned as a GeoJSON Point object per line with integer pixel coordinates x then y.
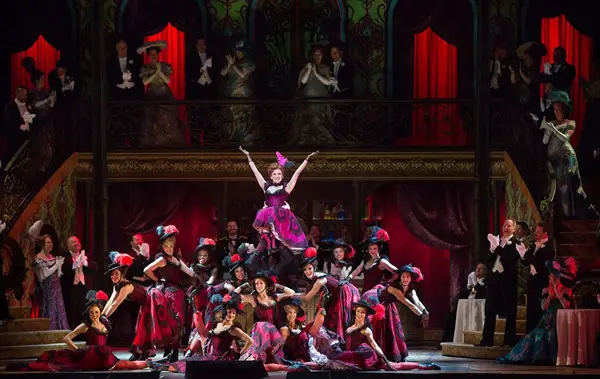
{"type": "Point", "coordinates": [314, 123]}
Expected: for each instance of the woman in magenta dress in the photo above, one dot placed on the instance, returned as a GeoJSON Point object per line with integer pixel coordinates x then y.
{"type": "Point", "coordinates": [376, 268]}
{"type": "Point", "coordinates": [157, 325]}
{"type": "Point", "coordinates": [264, 298]}
{"type": "Point", "coordinates": [276, 217]}
{"type": "Point", "coordinates": [96, 355]}
{"type": "Point", "coordinates": [172, 271]}
{"type": "Point", "coordinates": [206, 276]}
{"type": "Point", "coordinates": [335, 296]}
{"type": "Point", "coordinates": [362, 349]}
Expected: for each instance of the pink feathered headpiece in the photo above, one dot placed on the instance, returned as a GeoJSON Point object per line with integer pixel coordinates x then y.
{"type": "Point", "coordinates": [283, 161]}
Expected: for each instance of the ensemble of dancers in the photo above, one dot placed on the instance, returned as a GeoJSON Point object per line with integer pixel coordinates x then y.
{"type": "Point", "coordinates": [350, 330]}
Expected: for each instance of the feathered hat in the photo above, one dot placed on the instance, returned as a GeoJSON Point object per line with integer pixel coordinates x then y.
{"type": "Point", "coordinates": [165, 232]}
{"type": "Point", "coordinates": [415, 272]}
{"type": "Point", "coordinates": [561, 97]}
{"type": "Point", "coordinates": [35, 230]}
{"type": "Point", "coordinates": [230, 301]}
{"type": "Point", "coordinates": [375, 234]}
{"type": "Point", "coordinates": [349, 251]}
{"type": "Point", "coordinates": [310, 256]}
{"type": "Point", "coordinates": [565, 269]}
{"type": "Point", "coordinates": [160, 45]}
{"type": "Point", "coordinates": [363, 304]}
{"type": "Point", "coordinates": [118, 261]}
{"type": "Point", "coordinates": [294, 303]}
{"type": "Point", "coordinates": [207, 244]}
{"type": "Point", "coordinates": [283, 161]}
{"type": "Point", "coordinates": [268, 276]}
{"type": "Point", "coordinates": [92, 298]}
{"type": "Point", "coordinates": [234, 262]}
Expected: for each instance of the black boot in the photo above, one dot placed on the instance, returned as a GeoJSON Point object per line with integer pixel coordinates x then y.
{"type": "Point", "coordinates": [167, 352]}
{"type": "Point", "coordinates": [134, 357]}
{"type": "Point", "coordinates": [174, 357]}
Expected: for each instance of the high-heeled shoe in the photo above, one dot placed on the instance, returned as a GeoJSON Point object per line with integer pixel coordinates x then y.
{"type": "Point", "coordinates": [429, 367]}
{"type": "Point", "coordinates": [173, 356]}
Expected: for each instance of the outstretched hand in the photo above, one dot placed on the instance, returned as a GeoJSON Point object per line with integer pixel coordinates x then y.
{"type": "Point", "coordinates": [244, 151]}
{"type": "Point", "coordinates": [312, 154]}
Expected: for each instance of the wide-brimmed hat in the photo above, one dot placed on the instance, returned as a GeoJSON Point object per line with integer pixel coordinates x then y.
{"type": "Point", "coordinates": [363, 304]}
{"type": "Point", "coordinates": [161, 45]}
{"type": "Point", "coordinates": [531, 48]}
{"type": "Point", "coordinates": [99, 298]}
{"type": "Point", "coordinates": [375, 234]}
{"type": "Point", "coordinates": [207, 244]}
{"type": "Point", "coordinates": [565, 269]}
{"type": "Point", "coordinates": [268, 276]}
{"type": "Point", "coordinates": [310, 256]}
{"type": "Point", "coordinates": [293, 303]}
{"type": "Point", "coordinates": [415, 272]}
{"type": "Point", "coordinates": [35, 229]}
{"type": "Point", "coordinates": [232, 300]}
{"type": "Point", "coordinates": [165, 232]}
{"type": "Point", "coordinates": [561, 97]}
{"type": "Point", "coordinates": [118, 261]}
{"type": "Point", "coordinates": [349, 251]}
{"type": "Point", "coordinates": [234, 262]}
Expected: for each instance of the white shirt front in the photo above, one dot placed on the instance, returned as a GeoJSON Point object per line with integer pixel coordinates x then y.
{"type": "Point", "coordinates": [336, 68]}
{"type": "Point", "coordinates": [123, 63]}
{"type": "Point", "coordinates": [538, 245]}
{"type": "Point", "coordinates": [203, 57]}
{"type": "Point", "coordinates": [498, 265]}
{"type": "Point", "coordinates": [22, 107]}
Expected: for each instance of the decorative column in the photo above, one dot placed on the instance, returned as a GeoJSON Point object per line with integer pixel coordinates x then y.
{"type": "Point", "coordinates": [99, 146]}
{"type": "Point", "coordinates": [482, 134]}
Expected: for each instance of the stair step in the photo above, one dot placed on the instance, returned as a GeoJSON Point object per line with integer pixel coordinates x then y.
{"type": "Point", "coordinates": [579, 238]}
{"type": "Point", "coordinates": [474, 337]}
{"type": "Point", "coordinates": [501, 325]}
{"type": "Point", "coordinates": [521, 313]}
{"type": "Point", "coordinates": [463, 350]}
{"type": "Point", "coordinates": [20, 311]}
{"type": "Point", "coordinates": [32, 338]}
{"type": "Point", "coordinates": [25, 325]}
{"type": "Point", "coordinates": [579, 225]}
{"type": "Point", "coordinates": [31, 351]}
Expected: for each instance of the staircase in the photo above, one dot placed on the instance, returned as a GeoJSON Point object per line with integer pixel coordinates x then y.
{"type": "Point", "coordinates": [26, 337]}
{"type": "Point", "coordinates": [473, 337]}
{"type": "Point", "coordinates": [577, 238]}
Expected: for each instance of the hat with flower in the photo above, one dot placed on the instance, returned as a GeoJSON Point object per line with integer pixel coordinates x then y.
{"type": "Point", "coordinates": [118, 261]}
{"type": "Point", "coordinates": [165, 232]}
{"type": "Point", "coordinates": [415, 272]}
{"type": "Point", "coordinates": [310, 256]}
{"type": "Point", "coordinates": [98, 298]}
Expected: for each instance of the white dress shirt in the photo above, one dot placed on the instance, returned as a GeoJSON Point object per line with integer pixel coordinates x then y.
{"type": "Point", "coordinates": [498, 265]}
{"type": "Point", "coordinates": [22, 107]}
{"type": "Point", "coordinates": [336, 68]}
{"type": "Point", "coordinates": [538, 245]}
{"type": "Point", "coordinates": [123, 64]}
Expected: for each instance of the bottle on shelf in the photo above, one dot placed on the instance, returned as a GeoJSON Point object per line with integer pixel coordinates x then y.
{"type": "Point", "coordinates": [340, 214]}
{"type": "Point", "coordinates": [334, 212]}
{"type": "Point", "coordinates": [326, 213]}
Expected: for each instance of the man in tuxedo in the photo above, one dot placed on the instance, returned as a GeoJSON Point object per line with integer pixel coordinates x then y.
{"type": "Point", "coordinates": [123, 70]}
{"type": "Point", "coordinates": [536, 256]}
{"type": "Point", "coordinates": [76, 280]}
{"type": "Point", "coordinates": [140, 251]}
{"type": "Point", "coordinates": [500, 72]}
{"type": "Point", "coordinates": [62, 82]}
{"type": "Point", "coordinates": [342, 71]}
{"type": "Point", "coordinates": [199, 71]}
{"type": "Point", "coordinates": [558, 76]}
{"type": "Point", "coordinates": [17, 119]}
{"type": "Point", "coordinates": [229, 244]}
{"type": "Point", "coordinates": [502, 284]}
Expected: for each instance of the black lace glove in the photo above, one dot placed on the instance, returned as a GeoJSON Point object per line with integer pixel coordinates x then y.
{"type": "Point", "coordinates": [106, 322]}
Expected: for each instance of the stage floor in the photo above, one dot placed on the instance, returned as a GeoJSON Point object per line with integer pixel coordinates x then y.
{"type": "Point", "coordinates": [451, 366]}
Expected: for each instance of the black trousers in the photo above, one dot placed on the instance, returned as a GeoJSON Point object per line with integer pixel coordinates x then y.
{"type": "Point", "coordinates": [502, 288]}
{"type": "Point", "coordinates": [74, 298]}
{"type": "Point", "coordinates": [535, 286]}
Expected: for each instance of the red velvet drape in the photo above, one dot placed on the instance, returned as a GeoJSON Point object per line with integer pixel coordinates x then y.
{"type": "Point", "coordinates": [559, 32]}
{"type": "Point", "coordinates": [45, 56]}
{"type": "Point", "coordinates": [174, 54]}
{"type": "Point", "coordinates": [404, 248]}
{"type": "Point", "coordinates": [435, 76]}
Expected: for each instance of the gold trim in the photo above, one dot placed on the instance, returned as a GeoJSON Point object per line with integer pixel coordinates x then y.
{"type": "Point", "coordinates": [369, 166]}
{"type": "Point", "coordinates": [512, 170]}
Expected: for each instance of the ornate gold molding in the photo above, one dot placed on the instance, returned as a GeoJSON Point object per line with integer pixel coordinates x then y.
{"type": "Point", "coordinates": [211, 166]}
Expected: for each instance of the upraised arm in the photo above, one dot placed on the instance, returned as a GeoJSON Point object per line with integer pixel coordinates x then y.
{"type": "Point", "coordinates": [259, 178]}
{"type": "Point", "coordinates": [292, 183]}
{"type": "Point", "coordinates": [287, 292]}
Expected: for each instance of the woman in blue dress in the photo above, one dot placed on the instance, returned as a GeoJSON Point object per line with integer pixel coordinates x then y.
{"type": "Point", "coordinates": [541, 344]}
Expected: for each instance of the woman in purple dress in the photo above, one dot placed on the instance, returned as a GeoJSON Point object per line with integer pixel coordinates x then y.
{"type": "Point", "coordinates": [157, 324]}
{"type": "Point", "coordinates": [276, 217]}
{"type": "Point", "coordinates": [264, 298]}
{"type": "Point", "coordinates": [48, 270]}
{"type": "Point", "coordinates": [96, 355]}
{"type": "Point", "coordinates": [376, 268]}
{"type": "Point", "coordinates": [335, 296]}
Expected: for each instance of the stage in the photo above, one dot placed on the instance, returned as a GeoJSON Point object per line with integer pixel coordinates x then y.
{"type": "Point", "coordinates": [451, 368]}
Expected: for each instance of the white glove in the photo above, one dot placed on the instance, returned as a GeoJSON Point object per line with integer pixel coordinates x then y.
{"type": "Point", "coordinates": [544, 124]}
{"type": "Point", "coordinates": [547, 68]}
{"type": "Point", "coordinates": [521, 249]}
{"type": "Point", "coordinates": [24, 127]}
{"type": "Point", "coordinates": [127, 76]}
{"type": "Point", "coordinates": [494, 242]}
{"type": "Point", "coordinates": [28, 117]}
{"type": "Point", "coordinates": [510, 68]}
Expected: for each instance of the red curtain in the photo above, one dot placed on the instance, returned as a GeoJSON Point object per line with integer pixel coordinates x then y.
{"type": "Point", "coordinates": [45, 56]}
{"type": "Point", "coordinates": [404, 248]}
{"type": "Point", "coordinates": [559, 32]}
{"type": "Point", "coordinates": [435, 76]}
{"type": "Point", "coordinates": [174, 54]}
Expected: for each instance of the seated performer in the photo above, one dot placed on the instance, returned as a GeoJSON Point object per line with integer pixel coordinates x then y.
{"type": "Point", "coordinates": [375, 266]}
{"type": "Point", "coordinates": [96, 355]}
{"type": "Point", "coordinates": [335, 296]}
{"type": "Point", "coordinates": [157, 323]}
{"type": "Point", "coordinates": [540, 346]}
{"type": "Point", "coordinates": [339, 264]}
